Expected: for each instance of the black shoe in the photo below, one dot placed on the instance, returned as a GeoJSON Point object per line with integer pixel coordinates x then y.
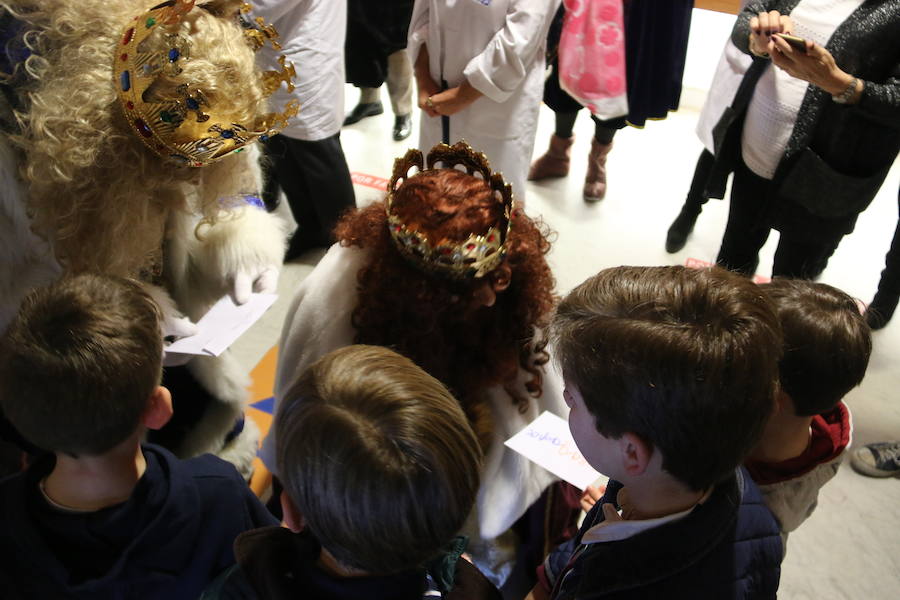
{"type": "Point", "coordinates": [681, 228]}
{"type": "Point", "coordinates": [402, 127]}
{"type": "Point", "coordinates": [361, 111]}
{"type": "Point", "coordinates": [881, 309]}
{"type": "Point", "coordinates": [300, 245]}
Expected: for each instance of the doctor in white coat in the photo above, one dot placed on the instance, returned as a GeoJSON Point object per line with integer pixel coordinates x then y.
{"type": "Point", "coordinates": [488, 57]}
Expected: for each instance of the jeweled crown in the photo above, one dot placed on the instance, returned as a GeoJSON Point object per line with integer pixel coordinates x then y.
{"type": "Point", "coordinates": [182, 124]}
{"type": "Point", "coordinates": [477, 255]}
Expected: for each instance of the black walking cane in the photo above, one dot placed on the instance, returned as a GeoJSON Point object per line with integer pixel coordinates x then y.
{"type": "Point", "coordinates": [445, 120]}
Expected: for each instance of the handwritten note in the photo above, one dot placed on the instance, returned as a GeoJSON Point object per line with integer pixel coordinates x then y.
{"type": "Point", "coordinates": [547, 442]}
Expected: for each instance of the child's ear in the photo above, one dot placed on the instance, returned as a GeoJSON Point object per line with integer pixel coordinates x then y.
{"type": "Point", "coordinates": [293, 518]}
{"type": "Point", "coordinates": [636, 453]}
{"type": "Point", "coordinates": [159, 408]}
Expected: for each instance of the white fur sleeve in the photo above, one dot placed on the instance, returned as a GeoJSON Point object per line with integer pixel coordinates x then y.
{"type": "Point", "coordinates": [203, 269]}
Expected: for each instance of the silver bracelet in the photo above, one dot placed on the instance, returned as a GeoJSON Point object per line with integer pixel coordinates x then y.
{"type": "Point", "coordinates": [845, 96]}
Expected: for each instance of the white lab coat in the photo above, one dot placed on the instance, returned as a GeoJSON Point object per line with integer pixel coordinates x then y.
{"type": "Point", "coordinates": [499, 47]}
{"type": "Point", "coordinates": [311, 34]}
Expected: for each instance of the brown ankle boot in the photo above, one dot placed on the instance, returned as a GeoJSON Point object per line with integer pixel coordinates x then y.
{"type": "Point", "coordinates": [554, 162]}
{"type": "Point", "coordinates": [595, 180]}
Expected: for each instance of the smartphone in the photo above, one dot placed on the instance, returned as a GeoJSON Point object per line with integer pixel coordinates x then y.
{"type": "Point", "coordinates": [797, 43]}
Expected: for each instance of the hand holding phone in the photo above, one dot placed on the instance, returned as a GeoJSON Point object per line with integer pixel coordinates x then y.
{"type": "Point", "coordinates": [797, 43]}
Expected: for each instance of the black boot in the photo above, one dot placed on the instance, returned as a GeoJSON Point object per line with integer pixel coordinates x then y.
{"type": "Point", "coordinates": [682, 226]}
{"type": "Point", "coordinates": [881, 309]}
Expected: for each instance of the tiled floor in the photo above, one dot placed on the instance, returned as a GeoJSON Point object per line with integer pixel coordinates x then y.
{"type": "Point", "coordinates": [850, 547]}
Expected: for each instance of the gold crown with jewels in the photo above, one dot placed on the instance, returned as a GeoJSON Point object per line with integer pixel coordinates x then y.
{"type": "Point", "coordinates": [181, 124]}
{"type": "Point", "coordinates": [477, 255]}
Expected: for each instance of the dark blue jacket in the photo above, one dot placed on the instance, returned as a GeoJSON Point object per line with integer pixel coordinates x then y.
{"type": "Point", "coordinates": [727, 547]}
{"type": "Point", "coordinates": [168, 541]}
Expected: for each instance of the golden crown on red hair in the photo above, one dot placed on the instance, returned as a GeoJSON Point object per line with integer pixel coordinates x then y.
{"type": "Point", "coordinates": [182, 124]}
{"type": "Point", "coordinates": [477, 255]}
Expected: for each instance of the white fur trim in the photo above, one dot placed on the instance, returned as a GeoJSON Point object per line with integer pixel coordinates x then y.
{"type": "Point", "coordinates": [202, 270]}
{"type": "Point", "coordinates": [242, 449]}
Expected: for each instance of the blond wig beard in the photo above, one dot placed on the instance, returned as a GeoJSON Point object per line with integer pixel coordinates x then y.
{"type": "Point", "coordinates": [95, 191]}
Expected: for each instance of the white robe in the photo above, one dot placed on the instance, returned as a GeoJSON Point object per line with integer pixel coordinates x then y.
{"type": "Point", "coordinates": [198, 273]}
{"type": "Point", "coordinates": [311, 34]}
{"type": "Point", "coordinates": [499, 47]}
{"type": "Point", "coordinates": [318, 322]}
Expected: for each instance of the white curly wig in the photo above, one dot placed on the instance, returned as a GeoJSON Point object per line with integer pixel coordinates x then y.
{"type": "Point", "coordinates": [95, 191]}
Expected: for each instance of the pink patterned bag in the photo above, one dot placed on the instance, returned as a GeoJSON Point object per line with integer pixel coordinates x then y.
{"type": "Point", "coordinates": [592, 56]}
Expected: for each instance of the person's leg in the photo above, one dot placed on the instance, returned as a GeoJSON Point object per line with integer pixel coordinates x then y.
{"type": "Point", "coordinates": [886, 298]}
{"type": "Point", "coordinates": [601, 144]}
{"type": "Point", "coordinates": [802, 259]}
{"type": "Point", "coordinates": [399, 85]}
{"type": "Point", "coordinates": [325, 191]}
{"type": "Point", "coordinates": [369, 105]}
{"type": "Point", "coordinates": [683, 224]}
{"type": "Point", "coordinates": [555, 161]}
{"type": "Point", "coordinates": [746, 231]}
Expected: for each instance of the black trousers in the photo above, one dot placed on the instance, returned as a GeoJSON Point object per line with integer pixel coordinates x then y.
{"type": "Point", "coordinates": [890, 276]}
{"type": "Point", "coordinates": [804, 247]}
{"type": "Point", "coordinates": [316, 182]}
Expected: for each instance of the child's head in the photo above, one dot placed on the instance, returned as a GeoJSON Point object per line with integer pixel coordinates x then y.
{"type": "Point", "coordinates": [827, 343]}
{"type": "Point", "coordinates": [683, 359]}
{"type": "Point", "coordinates": [80, 362]}
{"type": "Point", "coordinates": [377, 459]}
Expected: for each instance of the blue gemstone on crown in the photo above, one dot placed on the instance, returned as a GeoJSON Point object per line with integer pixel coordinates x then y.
{"type": "Point", "coordinates": [125, 81]}
{"type": "Point", "coordinates": [174, 54]}
{"type": "Point", "coordinates": [227, 134]}
{"type": "Point", "coordinates": [192, 103]}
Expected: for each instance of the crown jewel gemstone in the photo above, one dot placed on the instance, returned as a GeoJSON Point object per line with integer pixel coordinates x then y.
{"type": "Point", "coordinates": [143, 128]}
{"type": "Point", "coordinates": [126, 39]}
{"type": "Point", "coordinates": [125, 81]}
{"type": "Point", "coordinates": [174, 54]}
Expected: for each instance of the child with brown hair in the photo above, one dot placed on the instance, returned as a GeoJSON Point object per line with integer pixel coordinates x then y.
{"type": "Point", "coordinates": [380, 470]}
{"type": "Point", "coordinates": [827, 344]}
{"type": "Point", "coordinates": [104, 516]}
{"type": "Point", "coordinates": [669, 376]}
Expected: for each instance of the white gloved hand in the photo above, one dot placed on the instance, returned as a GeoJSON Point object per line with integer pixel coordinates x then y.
{"type": "Point", "coordinates": [173, 324]}
{"type": "Point", "coordinates": [263, 280]}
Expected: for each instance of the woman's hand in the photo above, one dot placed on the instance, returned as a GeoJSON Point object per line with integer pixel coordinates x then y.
{"type": "Point", "coordinates": [816, 66]}
{"type": "Point", "coordinates": [449, 102]}
{"type": "Point", "coordinates": [427, 89]}
{"type": "Point", "coordinates": [425, 84]}
{"type": "Point", "coordinates": [763, 26]}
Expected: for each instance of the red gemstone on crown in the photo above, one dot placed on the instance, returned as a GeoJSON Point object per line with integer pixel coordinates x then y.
{"type": "Point", "coordinates": [126, 39]}
{"type": "Point", "coordinates": [129, 105]}
{"type": "Point", "coordinates": [143, 128]}
{"type": "Point", "coordinates": [491, 239]}
{"type": "Point", "coordinates": [124, 57]}
{"type": "Point", "coordinates": [470, 247]}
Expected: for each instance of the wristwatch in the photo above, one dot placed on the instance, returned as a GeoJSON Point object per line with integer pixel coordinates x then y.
{"type": "Point", "coordinates": [845, 96]}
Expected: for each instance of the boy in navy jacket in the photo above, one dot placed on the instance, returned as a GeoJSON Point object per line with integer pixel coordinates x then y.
{"type": "Point", "coordinates": [380, 470]}
{"type": "Point", "coordinates": [670, 375]}
{"type": "Point", "coordinates": [103, 516]}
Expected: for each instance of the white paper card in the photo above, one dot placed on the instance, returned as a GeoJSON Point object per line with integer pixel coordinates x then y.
{"type": "Point", "coordinates": [548, 442]}
{"type": "Point", "coordinates": [222, 325]}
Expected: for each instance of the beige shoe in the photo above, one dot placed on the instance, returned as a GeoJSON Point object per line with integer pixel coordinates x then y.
{"type": "Point", "coordinates": [554, 162]}
{"type": "Point", "coordinates": [595, 180]}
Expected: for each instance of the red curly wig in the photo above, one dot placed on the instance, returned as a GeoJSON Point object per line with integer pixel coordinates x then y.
{"type": "Point", "coordinates": [427, 317]}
